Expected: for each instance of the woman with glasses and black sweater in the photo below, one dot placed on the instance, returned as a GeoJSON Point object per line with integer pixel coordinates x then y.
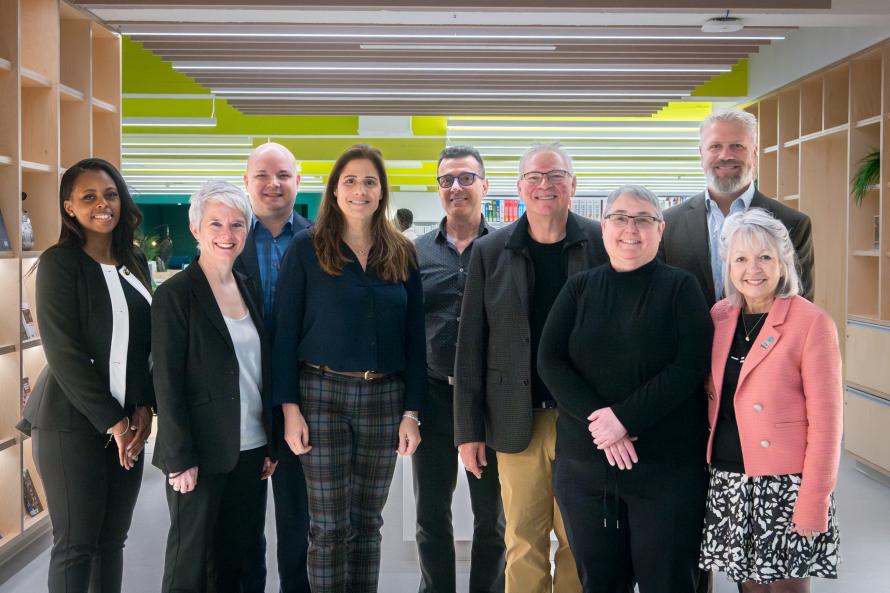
{"type": "Point", "coordinates": [625, 353]}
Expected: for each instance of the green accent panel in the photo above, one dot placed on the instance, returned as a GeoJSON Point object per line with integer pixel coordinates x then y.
{"type": "Point", "coordinates": [312, 200]}
{"type": "Point", "coordinates": [161, 200]}
{"type": "Point", "coordinates": [176, 217]}
{"type": "Point", "coordinates": [729, 84]}
{"type": "Point", "coordinates": [425, 125]}
{"type": "Point", "coordinates": [144, 72]}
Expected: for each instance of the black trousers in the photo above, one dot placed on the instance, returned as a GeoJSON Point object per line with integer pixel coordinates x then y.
{"type": "Point", "coordinates": [212, 527]}
{"type": "Point", "coordinates": [435, 465]}
{"type": "Point", "coordinates": [91, 500]}
{"type": "Point", "coordinates": [643, 525]}
{"type": "Point", "coordinates": [291, 521]}
{"type": "Point", "coordinates": [291, 527]}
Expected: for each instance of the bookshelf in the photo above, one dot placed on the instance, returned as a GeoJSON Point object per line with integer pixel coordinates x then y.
{"type": "Point", "coordinates": [814, 133]}
{"type": "Point", "coordinates": [56, 66]}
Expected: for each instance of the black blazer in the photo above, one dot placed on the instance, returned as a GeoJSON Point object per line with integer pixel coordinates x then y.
{"type": "Point", "coordinates": [248, 263]}
{"type": "Point", "coordinates": [196, 375]}
{"type": "Point", "coordinates": [493, 363]}
{"type": "Point", "coordinates": [75, 320]}
{"type": "Point", "coordinates": [685, 242]}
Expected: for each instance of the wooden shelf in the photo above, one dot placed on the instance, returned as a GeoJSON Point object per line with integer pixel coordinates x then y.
{"type": "Point", "coordinates": [867, 252]}
{"type": "Point", "coordinates": [30, 78]}
{"type": "Point", "coordinates": [100, 105]}
{"type": "Point", "coordinates": [822, 134]}
{"type": "Point", "coordinates": [35, 167]}
{"type": "Point", "coordinates": [5, 65]}
{"type": "Point", "coordinates": [8, 442]}
{"type": "Point", "coordinates": [33, 254]}
{"type": "Point", "coordinates": [791, 198]}
{"type": "Point", "coordinates": [792, 143]}
{"type": "Point", "coordinates": [7, 349]}
{"type": "Point", "coordinates": [66, 93]}
{"type": "Point", "coordinates": [869, 121]}
{"type": "Point", "coordinates": [770, 149]}
{"type": "Point", "coordinates": [34, 522]}
{"type": "Point", "coordinates": [8, 254]}
{"type": "Point", "coordinates": [5, 160]}
{"type": "Point", "coordinates": [32, 343]}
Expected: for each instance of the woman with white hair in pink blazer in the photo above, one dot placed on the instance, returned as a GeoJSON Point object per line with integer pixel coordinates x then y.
{"type": "Point", "coordinates": [775, 411]}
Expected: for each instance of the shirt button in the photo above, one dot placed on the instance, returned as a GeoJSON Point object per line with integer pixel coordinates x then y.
{"type": "Point", "coordinates": [460, 293]}
{"type": "Point", "coordinates": [758, 408]}
{"type": "Point", "coordinates": [525, 381]}
{"type": "Point", "coordinates": [458, 318]}
{"type": "Point", "coordinates": [460, 270]}
{"type": "Point", "coordinates": [764, 444]}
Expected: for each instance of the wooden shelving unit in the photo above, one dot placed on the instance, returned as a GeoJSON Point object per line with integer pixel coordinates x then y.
{"type": "Point", "coordinates": [60, 91]}
{"type": "Point", "coordinates": [813, 135]}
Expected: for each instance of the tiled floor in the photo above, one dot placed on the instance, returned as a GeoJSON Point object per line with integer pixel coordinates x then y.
{"type": "Point", "coordinates": [863, 507]}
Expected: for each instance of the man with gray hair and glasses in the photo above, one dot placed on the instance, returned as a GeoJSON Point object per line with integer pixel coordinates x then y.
{"type": "Point", "coordinates": [728, 149]}
{"type": "Point", "coordinates": [500, 401]}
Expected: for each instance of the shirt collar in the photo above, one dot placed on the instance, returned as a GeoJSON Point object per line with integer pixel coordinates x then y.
{"type": "Point", "coordinates": [746, 197]}
{"type": "Point", "coordinates": [254, 221]}
{"type": "Point", "coordinates": [442, 233]}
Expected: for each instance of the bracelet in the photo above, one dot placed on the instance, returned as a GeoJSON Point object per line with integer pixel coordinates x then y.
{"type": "Point", "coordinates": [412, 416]}
{"type": "Point", "coordinates": [125, 430]}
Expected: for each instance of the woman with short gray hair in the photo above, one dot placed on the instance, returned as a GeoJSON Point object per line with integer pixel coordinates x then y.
{"type": "Point", "coordinates": [625, 354]}
{"type": "Point", "coordinates": [775, 410]}
{"type": "Point", "coordinates": [211, 379]}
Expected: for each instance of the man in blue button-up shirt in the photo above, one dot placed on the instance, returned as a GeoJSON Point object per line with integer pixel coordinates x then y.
{"type": "Point", "coordinates": [272, 182]}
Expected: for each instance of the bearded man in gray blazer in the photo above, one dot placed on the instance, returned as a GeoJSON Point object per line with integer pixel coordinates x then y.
{"type": "Point", "coordinates": [500, 401]}
{"type": "Point", "coordinates": [728, 149]}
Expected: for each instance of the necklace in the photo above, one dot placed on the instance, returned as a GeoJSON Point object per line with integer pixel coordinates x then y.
{"type": "Point", "coordinates": [751, 331]}
{"type": "Point", "coordinates": [359, 252]}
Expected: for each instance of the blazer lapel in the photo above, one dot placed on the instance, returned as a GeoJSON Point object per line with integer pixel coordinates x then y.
{"type": "Point", "coordinates": [766, 340]}
{"type": "Point", "coordinates": [205, 298]}
{"type": "Point", "coordinates": [697, 232]}
{"type": "Point", "coordinates": [250, 265]}
{"type": "Point", "coordinates": [724, 329]}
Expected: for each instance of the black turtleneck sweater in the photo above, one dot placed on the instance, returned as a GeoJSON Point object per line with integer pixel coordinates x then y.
{"type": "Point", "coordinates": [638, 342]}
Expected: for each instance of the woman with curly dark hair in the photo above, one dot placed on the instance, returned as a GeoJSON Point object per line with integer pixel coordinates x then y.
{"type": "Point", "coordinates": [349, 368]}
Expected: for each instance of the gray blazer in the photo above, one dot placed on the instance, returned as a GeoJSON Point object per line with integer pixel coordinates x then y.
{"type": "Point", "coordinates": [685, 241]}
{"type": "Point", "coordinates": [493, 366]}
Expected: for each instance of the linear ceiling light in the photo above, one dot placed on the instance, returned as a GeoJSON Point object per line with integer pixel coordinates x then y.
{"type": "Point", "coordinates": [426, 35]}
{"type": "Point", "coordinates": [456, 47]}
{"type": "Point", "coordinates": [554, 69]}
{"type": "Point", "coordinates": [259, 94]}
{"type": "Point", "coordinates": [169, 122]}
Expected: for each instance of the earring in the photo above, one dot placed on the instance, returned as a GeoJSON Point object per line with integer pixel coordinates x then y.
{"type": "Point", "coordinates": [71, 214]}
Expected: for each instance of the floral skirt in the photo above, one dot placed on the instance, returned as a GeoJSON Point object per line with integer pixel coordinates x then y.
{"type": "Point", "coordinates": [748, 536]}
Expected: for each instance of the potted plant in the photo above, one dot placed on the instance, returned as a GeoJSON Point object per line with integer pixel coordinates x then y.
{"type": "Point", "coordinates": [866, 177]}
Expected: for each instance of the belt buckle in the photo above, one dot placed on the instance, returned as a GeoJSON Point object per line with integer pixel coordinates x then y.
{"type": "Point", "coordinates": [367, 375]}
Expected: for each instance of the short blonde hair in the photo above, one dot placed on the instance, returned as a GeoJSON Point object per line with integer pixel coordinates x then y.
{"type": "Point", "coordinates": [758, 226]}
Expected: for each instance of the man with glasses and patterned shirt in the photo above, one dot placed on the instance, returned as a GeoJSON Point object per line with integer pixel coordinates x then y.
{"type": "Point", "coordinates": [444, 257]}
{"type": "Point", "coordinates": [500, 401]}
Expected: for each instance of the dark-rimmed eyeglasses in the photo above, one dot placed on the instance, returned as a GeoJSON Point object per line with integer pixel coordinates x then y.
{"type": "Point", "coordinates": [465, 179]}
{"type": "Point", "coordinates": [555, 177]}
{"type": "Point", "coordinates": [641, 221]}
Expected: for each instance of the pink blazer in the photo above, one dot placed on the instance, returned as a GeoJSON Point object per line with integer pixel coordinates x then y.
{"type": "Point", "coordinates": [788, 401]}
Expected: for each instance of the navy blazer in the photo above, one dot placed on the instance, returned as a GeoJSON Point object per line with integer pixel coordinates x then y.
{"type": "Point", "coordinates": [196, 375]}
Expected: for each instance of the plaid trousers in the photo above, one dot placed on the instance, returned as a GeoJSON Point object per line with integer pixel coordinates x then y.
{"type": "Point", "coordinates": [354, 431]}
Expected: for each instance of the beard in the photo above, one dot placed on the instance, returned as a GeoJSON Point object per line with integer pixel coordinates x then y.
{"type": "Point", "coordinates": [729, 184]}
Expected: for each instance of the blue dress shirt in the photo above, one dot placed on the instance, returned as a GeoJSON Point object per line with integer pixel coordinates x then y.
{"type": "Point", "coordinates": [269, 253]}
{"type": "Point", "coordinates": [715, 227]}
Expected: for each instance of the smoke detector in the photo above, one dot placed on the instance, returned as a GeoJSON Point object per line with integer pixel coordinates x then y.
{"type": "Point", "coordinates": [723, 24]}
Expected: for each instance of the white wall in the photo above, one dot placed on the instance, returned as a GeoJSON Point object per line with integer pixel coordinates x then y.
{"type": "Point", "coordinates": [804, 51]}
{"type": "Point", "coordinates": [424, 205]}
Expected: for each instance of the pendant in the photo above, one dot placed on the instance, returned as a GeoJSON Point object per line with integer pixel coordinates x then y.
{"type": "Point", "coordinates": [747, 339]}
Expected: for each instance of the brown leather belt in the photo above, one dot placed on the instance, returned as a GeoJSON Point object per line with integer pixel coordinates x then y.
{"type": "Point", "coordinates": [366, 375]}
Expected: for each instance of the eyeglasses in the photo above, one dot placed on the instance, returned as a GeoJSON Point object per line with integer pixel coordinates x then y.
{"type": "Point", "coordinates": [641, 221]}
{"type": "Point", "coordinates": [465, 179]}
{"type": "Point", "coordinates": [536, 177]}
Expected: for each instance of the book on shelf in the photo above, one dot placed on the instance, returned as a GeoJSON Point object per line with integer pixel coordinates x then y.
{"type": "Point", "coordinates": [5, 245]}
{"type": "Point", "coordinates": [26, 391]}
{"type": "Point", "coordinates": [33, 506]}
{"type": "Point", "coordinates": [29, 331]}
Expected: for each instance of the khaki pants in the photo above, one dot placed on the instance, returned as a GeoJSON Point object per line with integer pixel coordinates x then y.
{"type": "Point", "coordinates": [531, 513]}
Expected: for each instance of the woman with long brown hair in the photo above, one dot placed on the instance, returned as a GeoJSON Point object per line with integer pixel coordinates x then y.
{"type": "Point", "coordinates": [349, 366]}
